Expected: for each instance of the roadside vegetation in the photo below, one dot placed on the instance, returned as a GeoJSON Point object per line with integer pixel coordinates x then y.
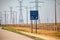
{"type": "Point", "coordinates": [42, 30]}
{"type": "Point", "coordinates": [14, 30]}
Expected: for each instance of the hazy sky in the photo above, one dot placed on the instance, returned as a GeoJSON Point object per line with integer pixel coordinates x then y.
{"type": "Point", "coordinates": [46, 10]}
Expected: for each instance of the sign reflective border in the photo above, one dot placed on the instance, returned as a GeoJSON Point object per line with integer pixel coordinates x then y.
{"type": "Point", "coordinates": [33, 15]}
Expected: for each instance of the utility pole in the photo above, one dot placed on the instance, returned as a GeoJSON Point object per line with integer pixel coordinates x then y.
{"type": "Point", "coordinates": [13, 18]}
{"type": "Point", "coordinates": [16, 17]}
{"type": "Point", "coordinates": [36, 4]}
{"type": "Point", "coordinates": [55, 14]}
{"type": "Point", "coordinates": [5, 17]}
{"type": "Point", "coordinates": [47, 20]}
{"type": "Point", "coordinates": [0, 18]}
{"type": "Point", "coordinates": [55, 28]}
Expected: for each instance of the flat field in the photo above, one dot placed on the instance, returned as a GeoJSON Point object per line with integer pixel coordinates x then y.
{"type": "Point", "coordinates": [46, 29]}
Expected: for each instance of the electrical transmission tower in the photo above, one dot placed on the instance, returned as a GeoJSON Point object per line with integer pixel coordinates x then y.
{"type": "Point", "coordinates": [5, 17]}
{"type": "Point", "coordinates": [36, 7]}
{"type": "Point", "coordinates": [14, 17]}
{"type": "Point", "coordinates": [11, 14]}
{"type": "Point", "coordinates": [20, 15]}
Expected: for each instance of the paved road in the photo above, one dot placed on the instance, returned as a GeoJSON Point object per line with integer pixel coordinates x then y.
{"type": "Point", "coordinates": [7, 35]}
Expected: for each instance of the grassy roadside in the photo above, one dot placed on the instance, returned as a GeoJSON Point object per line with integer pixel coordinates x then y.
{"type": "Point", "coordinates": [13, 30]}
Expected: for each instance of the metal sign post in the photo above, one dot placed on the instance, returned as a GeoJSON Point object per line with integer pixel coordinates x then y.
{"type": "Point", "coordinates": [36, 25]}
{"type": "Point", "coordinates": [31, 26]}
{"type": "Point", "coordinates": [33, 16]}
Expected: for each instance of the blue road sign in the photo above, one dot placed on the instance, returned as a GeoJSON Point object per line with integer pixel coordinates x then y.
{"type": "Point", "coordinates": [33, 15]}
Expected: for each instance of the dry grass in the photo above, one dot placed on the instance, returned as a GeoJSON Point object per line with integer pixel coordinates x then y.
{"type": "Point", "coordinates": [42, 28]}
{"type": "Point", "coordinates": [13, 29]}
{"type": "Point", "coordinates": [45, 32]}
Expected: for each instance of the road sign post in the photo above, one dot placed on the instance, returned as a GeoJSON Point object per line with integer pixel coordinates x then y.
{"type": "Point", "coordinates": [31, 26]}
{"type": "Point", "coordinates": [33, 16]}
{"type": "Point", "coordinates": [36, 26]}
